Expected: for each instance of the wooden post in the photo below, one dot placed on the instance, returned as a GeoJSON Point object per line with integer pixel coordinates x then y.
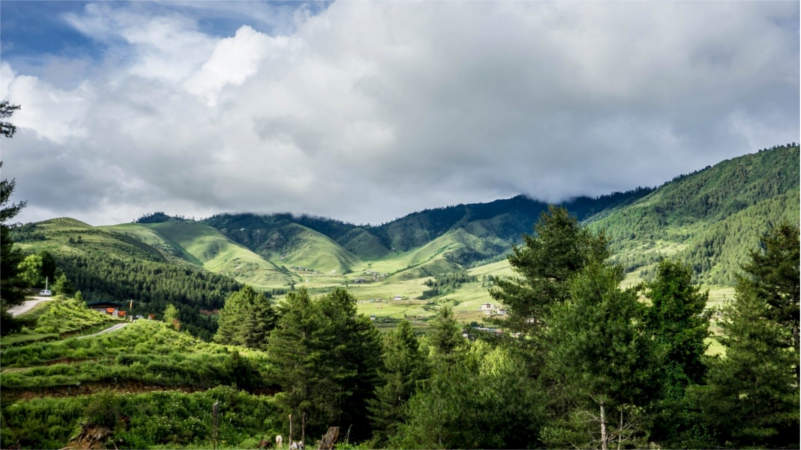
{"type": "Point", "coordinates": [620, 430]}
{"type": "Point", "coordinates": [603, 428]}
{"type": "Point", "coordinates": [290, 429]}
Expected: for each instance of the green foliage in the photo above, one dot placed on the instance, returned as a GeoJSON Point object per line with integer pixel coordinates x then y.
{"type": "Point", "coordinates": [246, 319]}
{"type": "Point", "coordinates": [68, 315]}
{"type": "Point", "coordinates": [445, 335]}
{"type": "Point", "coordinates": [752, 394]}
{"type": "Point", "coordinates": [153, 285]}
{"type": "Point", "coordinates": [30, 270]}
{"type": "Point", "coordinates": [172, 419]}
{"type": "Point", "coordinates": [772, 275]}
{"type": "Point", "coordinates": [679, 325]}
{"type": "Point", "coordinates": [11, 284]}
{"type": "Point", "coordinates": [545, 262]}
{"type": "Point", "coordinates": [445, 283]}
{"type": "Point", "coordinates": [144, 352]}
{"type": "Point", "coordinates": [62, 285]}
{"type": "Point", "coordinates": [601, 355]}
{"type": "Point", "coordinates": [481, 399]}
{"type": "Point", "coordinates": [708, 219]}
{"type": "Point", "coordinates": [171, 317]}
{"type": "Point", "coordinates": [325, 359]}
{"type": "Point", "coordinates": [405, 367]}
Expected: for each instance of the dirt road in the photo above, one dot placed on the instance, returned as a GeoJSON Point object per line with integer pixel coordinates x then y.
{"type": "Point", "coordinates": [27, 305]}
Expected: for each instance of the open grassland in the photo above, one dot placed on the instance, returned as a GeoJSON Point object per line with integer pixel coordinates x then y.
{"type": "Point", "coordinates": [218, 254]}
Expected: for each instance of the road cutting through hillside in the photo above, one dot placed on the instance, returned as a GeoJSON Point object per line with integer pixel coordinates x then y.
{"type": "Point", "coordinates": [27, 305]}
{"type": "Point", "coordinates": [107, 330]}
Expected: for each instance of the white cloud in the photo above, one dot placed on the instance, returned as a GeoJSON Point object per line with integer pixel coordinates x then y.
{"type": "Point", "coordinates": [370, 110]}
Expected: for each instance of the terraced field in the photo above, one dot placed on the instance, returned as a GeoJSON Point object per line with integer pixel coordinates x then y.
{"type": "Point", "coordinates": [148, 383]}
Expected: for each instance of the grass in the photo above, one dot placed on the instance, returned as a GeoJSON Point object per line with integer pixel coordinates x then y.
{"type": "Point", "coordinates": [216, 253]}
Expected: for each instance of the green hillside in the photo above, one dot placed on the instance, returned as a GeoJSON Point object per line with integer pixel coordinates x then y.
{"type": "Point", "coordinates": [161, 381]}
{"type": "Point", "coordinates": [709, 218]}
{"type": "Point", "coordinates": [279, 239]}
{"type": "Point", "coordinates": [105, 264]}
{"type": "Point", "coordinates": [205, 246]}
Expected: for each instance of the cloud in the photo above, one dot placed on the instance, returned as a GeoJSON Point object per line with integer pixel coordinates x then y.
{"type": "Point", "coordinates": [367, 111]}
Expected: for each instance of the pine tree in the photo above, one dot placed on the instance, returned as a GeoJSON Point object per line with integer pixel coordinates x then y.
{"type": "Point", "coordinates": [773, 274]}
{"type": "Point", "coordinates": [405, 366]}
{"type": "Point", "coordinates": [601, 355]}
{"type": "Point", "coordinates": [325, 358]}
{"type": "Point", "coordinates": [11, 285]}
{"type": "Point", "coordinates": [246, 319]}
{"type": "Point", "coordinates": [678, 323]}
{"type": "Point", "coordinates": [752, 394]}
{"type": "Point", "coordinates": [445, 334]}
{"type": "Point", "coordinates": [545, 262]}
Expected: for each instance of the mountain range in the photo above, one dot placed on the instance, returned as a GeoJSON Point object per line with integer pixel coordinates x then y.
{"type": "Point", "coordinates": [710, 219]}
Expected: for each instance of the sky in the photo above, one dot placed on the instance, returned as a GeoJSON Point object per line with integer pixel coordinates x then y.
{"type": "Point", "coordinates": [366, 111]}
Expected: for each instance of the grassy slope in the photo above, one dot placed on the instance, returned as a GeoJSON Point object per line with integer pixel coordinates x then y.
{"type": "Point", "coordinates": [58, 233]}
{"type": "Point", "coordinates": [162, 380]}
{"type": "Point", "coordinates": [288, 244]}
{"type": "Point", "coordinates": [310, 249]}
{"type": "Point", "coordinates": [216, 253]}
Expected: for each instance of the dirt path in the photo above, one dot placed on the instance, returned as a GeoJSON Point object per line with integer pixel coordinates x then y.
{"type": "Point", "coordinates": [107, 330]}
{"type": "Point", "coordinates": [27, 305]}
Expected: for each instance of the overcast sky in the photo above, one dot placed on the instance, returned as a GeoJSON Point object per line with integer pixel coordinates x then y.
{"type": "Point", "coordinates": [366, 111]}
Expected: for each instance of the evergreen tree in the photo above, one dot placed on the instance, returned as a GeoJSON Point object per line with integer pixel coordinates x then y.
{"type": "Point", "coordinates": [752, 394]}
{"type": "Point", "coordinates": [11, 285]}
{"type": "Point", "coordinates": [445, 334]}
{"type": "Point", "coordinates": [772, 275]}
{"type": "Point", "coordinates": [48, 266]}
{"type": "Point", "coordinates": [545, 262]}
{"type": "Point", "coordinates": [246, 319]}
{"type": "Point", "coordinates": [479, 399]}
{"type": "Point", "coordinates": [405, 366]}
{"type": "Point", "coordinates": [678, 324]}
{"type": "Point", "coordinates": [325, 359]}
{"type": "Point", "coordinates": [602, 358]}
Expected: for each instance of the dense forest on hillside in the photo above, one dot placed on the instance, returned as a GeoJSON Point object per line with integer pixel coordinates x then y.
{"type": "Point", "coordinates": [709, 218]}
{"type": "Point", "coordinates": [111, 266]}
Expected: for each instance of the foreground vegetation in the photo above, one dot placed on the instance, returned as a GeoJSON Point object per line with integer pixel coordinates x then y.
{"type": "Point", "coordinates": [580, 361]}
